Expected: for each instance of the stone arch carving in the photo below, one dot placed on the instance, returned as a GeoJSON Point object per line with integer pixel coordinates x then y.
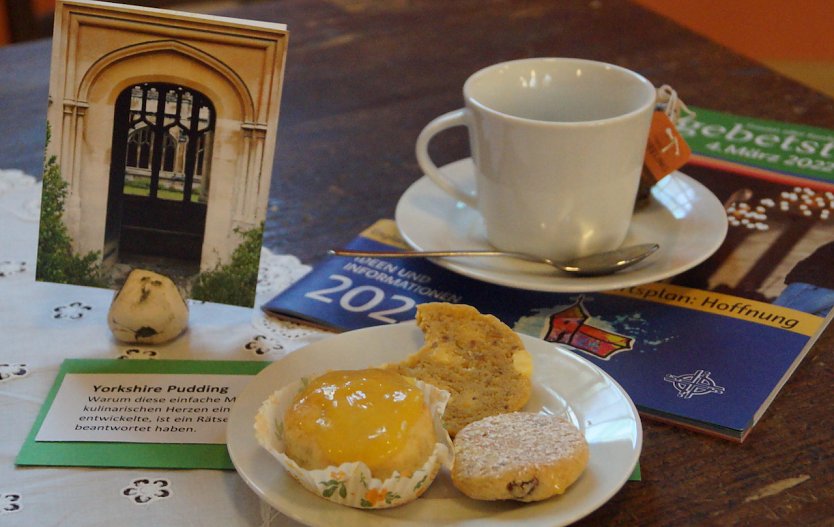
{"type": "Point", "coordinates": [247, 105]}
{"type": "Point", "coordinates": [101, 50]}
{"type": "Point", "coordinates": [236, 160]}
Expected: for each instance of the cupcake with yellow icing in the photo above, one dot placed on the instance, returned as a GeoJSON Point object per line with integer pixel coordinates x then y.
{"type": "Point", "coordinates": [363, 438]}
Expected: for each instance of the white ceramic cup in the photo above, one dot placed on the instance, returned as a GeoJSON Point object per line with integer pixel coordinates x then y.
{"type": "Point", "coordinates": [558, 146]}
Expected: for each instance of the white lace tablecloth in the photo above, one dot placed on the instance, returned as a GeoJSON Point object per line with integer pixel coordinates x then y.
{"type": "Point", "coordinates": [41, 324]}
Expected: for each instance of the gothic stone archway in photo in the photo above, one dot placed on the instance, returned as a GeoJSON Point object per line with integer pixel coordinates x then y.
{"type": "Point", "coordinates": [164, 125]}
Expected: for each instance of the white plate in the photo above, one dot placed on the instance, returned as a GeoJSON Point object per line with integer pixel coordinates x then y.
{"type": "Point", "coordinates": [563, 384]}
{"type": "Point", "coordinates": [683, 216]}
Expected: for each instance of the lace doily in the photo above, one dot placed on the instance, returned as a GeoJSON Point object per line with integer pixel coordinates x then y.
{"type": "Point", "coordinates": [277, 272]}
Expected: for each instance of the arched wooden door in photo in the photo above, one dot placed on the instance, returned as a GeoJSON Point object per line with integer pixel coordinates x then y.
{"type": "Point", "coordinates": [160, 173]}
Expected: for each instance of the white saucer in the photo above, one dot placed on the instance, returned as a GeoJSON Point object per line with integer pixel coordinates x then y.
{"type": "Point", "coordinates": [564, 384]}
{"type": "Point", "coordinates": [683, 216]}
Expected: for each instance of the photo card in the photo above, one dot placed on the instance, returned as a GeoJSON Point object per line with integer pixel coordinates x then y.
{"type": "Point", "coordinates": [160, 145]}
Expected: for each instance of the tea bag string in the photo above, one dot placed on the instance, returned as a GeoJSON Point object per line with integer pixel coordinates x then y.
{"type": "Point", "coordinates": [669, 103]}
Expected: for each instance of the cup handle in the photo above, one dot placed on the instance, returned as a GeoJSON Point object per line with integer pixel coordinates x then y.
{"type": "Point", "coordinates": [437, 125]}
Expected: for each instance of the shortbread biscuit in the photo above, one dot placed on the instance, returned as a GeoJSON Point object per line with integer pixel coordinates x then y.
{"type": "Point", "coordinates": [519, 456]}
{"type": "Point", "coordinates": [477, 358]}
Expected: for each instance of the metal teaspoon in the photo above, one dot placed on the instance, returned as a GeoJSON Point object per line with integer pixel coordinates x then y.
{"type": "Point", "coordinates": [593, 265]}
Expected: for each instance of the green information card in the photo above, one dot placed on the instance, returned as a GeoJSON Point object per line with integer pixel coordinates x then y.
{"type": "Point", "coordinates": [150, 414]}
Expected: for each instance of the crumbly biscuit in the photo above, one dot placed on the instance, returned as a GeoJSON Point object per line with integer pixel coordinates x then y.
{"type": "Point", "coordinates": [518, 456]}
{"type": "Point", "coordinates": [477, 358]}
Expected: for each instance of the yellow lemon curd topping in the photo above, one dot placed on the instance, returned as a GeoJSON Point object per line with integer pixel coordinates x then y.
{"type": "Point", "coordinates": [375, 416]}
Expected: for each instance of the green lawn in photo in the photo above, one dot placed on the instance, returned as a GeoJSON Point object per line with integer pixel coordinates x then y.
{"type": "Point", "coordinates": [138, 188]}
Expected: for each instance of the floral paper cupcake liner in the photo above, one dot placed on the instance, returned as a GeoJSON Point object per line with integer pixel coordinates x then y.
{"type": "Point", "coordinates": [352, 484]}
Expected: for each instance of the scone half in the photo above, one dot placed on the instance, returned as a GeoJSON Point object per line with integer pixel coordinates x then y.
{"type": "Point", "coordinates": [477, 358]}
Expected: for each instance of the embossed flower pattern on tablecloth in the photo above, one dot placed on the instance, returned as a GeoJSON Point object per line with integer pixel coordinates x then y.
{"type": "Point", "coordinates": [8, 268]}
{"type": "Point", "coordinates": [9, 503]}
{"type": "Point", "coordinates": [144, 490]}
{"type": "Point", "coordinates": [138, 354]}
{"type": "Point", "coordinates": [73, 310]}
{"type": "Point", "coordinates": [11, 370]}
{"type": "Point", "coordinates": [261, 345]}
{"type": "Point", "coordinates": [285, 336]}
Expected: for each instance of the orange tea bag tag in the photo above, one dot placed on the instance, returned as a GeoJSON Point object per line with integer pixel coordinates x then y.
{"type": "Point", "coordinates": [666, 150]}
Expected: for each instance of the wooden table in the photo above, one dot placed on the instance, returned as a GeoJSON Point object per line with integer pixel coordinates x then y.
{"type": "Point", "coordinates": [364, 77]}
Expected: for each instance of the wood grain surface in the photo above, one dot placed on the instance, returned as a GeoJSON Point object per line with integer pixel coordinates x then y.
{"type": "Point", "coordinates": [363, 77]}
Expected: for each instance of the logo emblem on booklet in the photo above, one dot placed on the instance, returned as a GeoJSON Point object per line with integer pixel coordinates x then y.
{"type": "Point", "coordinates": [573, 326]}
{"type": "Point", "coordinates": [689, 385]}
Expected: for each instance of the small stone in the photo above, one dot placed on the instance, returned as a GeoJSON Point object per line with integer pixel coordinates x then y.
{"type": "Point", "coordinates": [148, 309]}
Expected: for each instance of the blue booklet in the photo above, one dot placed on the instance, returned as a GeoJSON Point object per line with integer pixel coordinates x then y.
{"type": "Point", "coordinates": [708, 349]}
